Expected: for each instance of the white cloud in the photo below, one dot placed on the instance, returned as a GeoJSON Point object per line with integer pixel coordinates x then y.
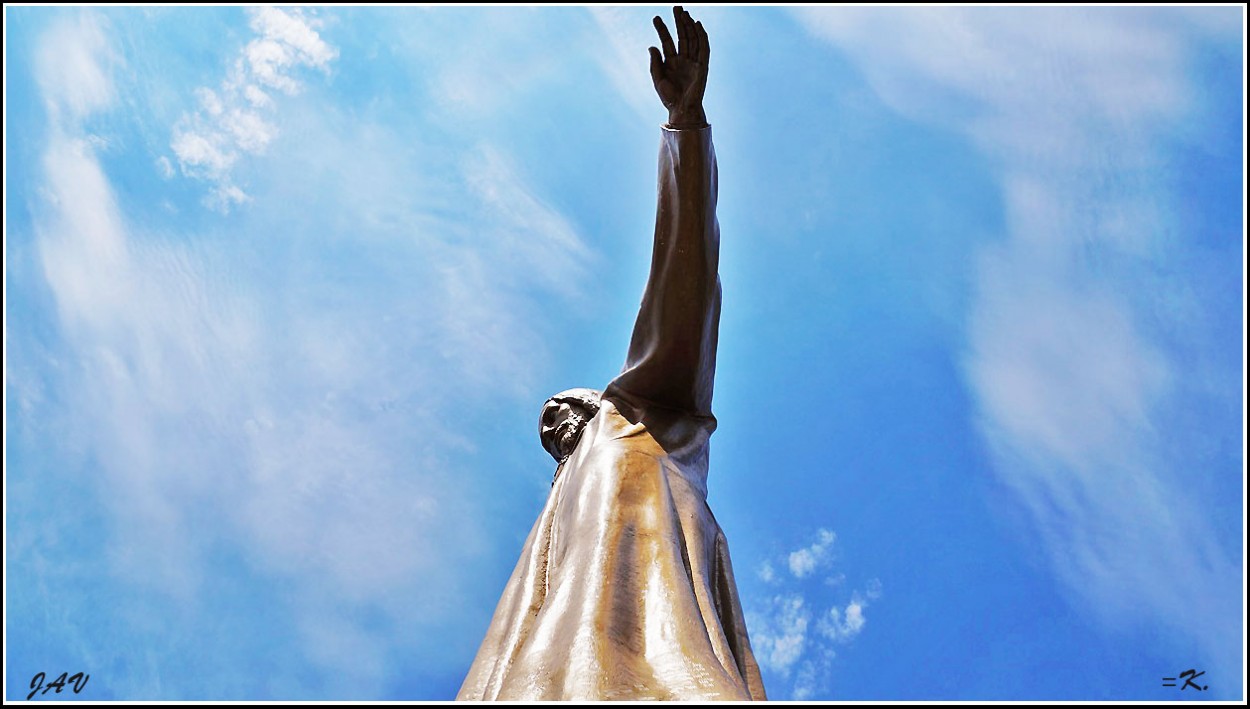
{"type": "Point", "coordinates": [165, 167]}
{"type": "Point", "coordinates": [489, 83]}
{"type": "Point", "coordinates": [1069, 378]}
{"type": "Point", "coordinates": [256, 96]}
{"type": "Point", "coordinates": [210, 141]}
{"type": "Point", "coordinates": [842, 625]}
{"type": "Point", "coordinates": [782, 626]}
{"type": "Point", "coordinates": [196, 151]}
{"type": "Point", "coordinates": [209, 101]}
{"type": "Point", "coordinates": [779, 634]}
{"type": "Point", "coordinates": [289, 40]}
{"type": "Point", "coordinates": [248, 130]}
{"type": "Point", "coordinates": [626, 35]}
{"type": "Point", "coordinates": [225, 422]}
{"type": "Point", "coordinates": [766, 573]}
{"type": "Point", "coordinates": [542, 241]}
{"type": "Point", "coordinates": [1119, 67]}
{"type": "Point", "coordinates": [804, 561]}
{"type": "Point", "coordinates": [71, 66]}
{"type": "Point", "coordinates": [222, 197]}
{"type": "Point", "coordinates": [811, 678]}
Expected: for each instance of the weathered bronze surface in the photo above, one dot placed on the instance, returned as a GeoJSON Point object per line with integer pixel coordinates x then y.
{"type": "Point", "coordinates": [624, 588]}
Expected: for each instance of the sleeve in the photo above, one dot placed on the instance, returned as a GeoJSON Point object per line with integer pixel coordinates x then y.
{"type": "Point", "coordinates": [672, 354]}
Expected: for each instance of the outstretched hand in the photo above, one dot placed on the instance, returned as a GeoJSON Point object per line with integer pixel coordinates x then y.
{"type": "Point", "coordinates": [680, 75]}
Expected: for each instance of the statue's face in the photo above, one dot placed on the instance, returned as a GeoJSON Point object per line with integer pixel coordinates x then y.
{"type": "Point", "coordinates": [561, 427]}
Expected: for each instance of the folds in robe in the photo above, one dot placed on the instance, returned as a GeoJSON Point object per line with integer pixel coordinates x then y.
{"type": "Point", "coordinates": [624, 588]}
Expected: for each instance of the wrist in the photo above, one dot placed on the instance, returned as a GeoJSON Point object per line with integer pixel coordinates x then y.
{"type": "Point", "coordinates": [687, 119]}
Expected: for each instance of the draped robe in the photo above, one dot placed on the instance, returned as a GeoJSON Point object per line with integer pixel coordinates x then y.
{"type": "Point", "coordinates": [624, 588]}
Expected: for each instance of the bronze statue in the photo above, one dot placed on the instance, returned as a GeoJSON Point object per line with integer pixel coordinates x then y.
{"type": "Point", "coordinates": [624, 588]}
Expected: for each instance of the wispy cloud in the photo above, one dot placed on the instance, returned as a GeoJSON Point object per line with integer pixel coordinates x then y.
{"type": "Point", "coordinates": [184, 400]}
{"type": "Point", "coordinates": [1070, 378]}
{"type": "Point", "coordinates": [792, 638]}
{"type": "Point", "coordinates": [779, 633]}
{"type": "Point", "coordinates": [306, 442]}
{"type": "Point", "coordinates": [841, 625]}
{"type": "Point", "coordinates": [231, 120]}
{"type": "Point", "coordinates": [72, 66]}
{"type": "Point", "coordinates": [626, 34]}
{"type": "Point", "coordinates": [543, 242]}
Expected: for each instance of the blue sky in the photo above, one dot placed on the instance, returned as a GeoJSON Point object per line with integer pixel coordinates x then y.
{"type": "Point", "coordinates": [285, 289]}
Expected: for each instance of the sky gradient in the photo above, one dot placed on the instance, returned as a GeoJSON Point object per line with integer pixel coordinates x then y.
{"type": "Point", "coordinates": [286, 288]}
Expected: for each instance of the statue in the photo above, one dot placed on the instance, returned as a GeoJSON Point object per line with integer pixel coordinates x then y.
{"type": "Point", "coordinates": [624, 588]}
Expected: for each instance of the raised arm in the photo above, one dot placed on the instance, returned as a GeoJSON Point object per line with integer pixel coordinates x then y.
{"type": "Point", "coordinates": [672, 354]}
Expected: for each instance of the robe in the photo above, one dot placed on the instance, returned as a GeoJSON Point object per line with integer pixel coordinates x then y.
{"type": "Point", "coordinates": [624, 589]}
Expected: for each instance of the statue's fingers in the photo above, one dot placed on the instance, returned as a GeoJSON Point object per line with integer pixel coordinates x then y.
{"type": "Point", "coordinates": [659, 77]}
{"type": "Point", "coordinates": [657, 66]}
{"type": "Point", "coordinates": [666, 39]}
{"type": "Point", "coordinates": [704, 48]}
{"type": "Point", "coordinates": [681, 19]}
{"type": "Point", "coordinates": [696, 45]}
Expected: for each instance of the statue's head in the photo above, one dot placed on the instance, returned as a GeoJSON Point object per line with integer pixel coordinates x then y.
{"type": "Point", "coordinates": [563, 419]}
